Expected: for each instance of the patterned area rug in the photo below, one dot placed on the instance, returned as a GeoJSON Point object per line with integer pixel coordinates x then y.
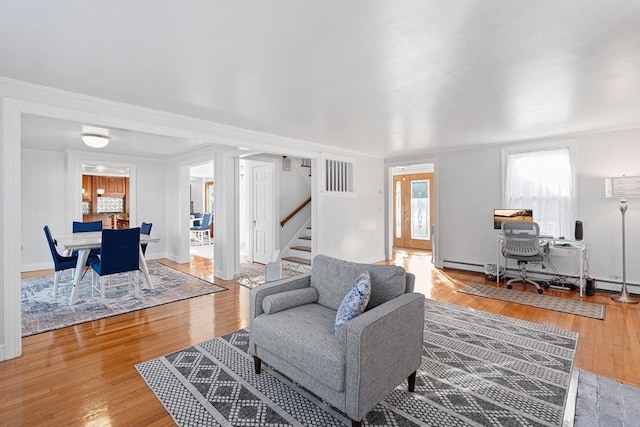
{"type": "Point", "coordinates": [252, 275]}
{"type": "Point", "coordinates": [548, 302]}
{"type": "Point", "coordinates": [42, 312]}
{"type": "Point", "coordinates": [478, 369]}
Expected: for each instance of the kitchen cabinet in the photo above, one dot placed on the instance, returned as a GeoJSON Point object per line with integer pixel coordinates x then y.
{"type": "Point", "coordinates": [86, 188]}
{"type": "Point", "coordinates": [113, 186]}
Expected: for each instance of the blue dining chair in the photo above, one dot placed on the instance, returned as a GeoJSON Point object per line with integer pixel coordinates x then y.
{"type": "Point", "coordinates": [198, 233]}
{"type": "Point", "coordinates": [86, 227]}
{"type": "Point", "coordinates": [120, 253]}
{"type": "Point", "coordinates": [60, 262]}
{"type": "Point", "coordinates": [145, 228]}
{"type": "Point", "coordinates": [196, 222]}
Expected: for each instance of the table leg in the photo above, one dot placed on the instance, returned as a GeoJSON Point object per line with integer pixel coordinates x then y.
{"type": "Point", "coordinates": [145, 269]}
{"type": "Point", "coordinates": [83, 254]}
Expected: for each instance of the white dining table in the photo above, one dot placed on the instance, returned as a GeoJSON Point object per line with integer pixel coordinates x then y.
{"type": "Point", "coordinates": [84, 242]}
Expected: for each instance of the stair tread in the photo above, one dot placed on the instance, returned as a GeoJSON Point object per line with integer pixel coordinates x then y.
{"type": "Point", "coordinates": [297, 260]}
{"type": "Point", "coordinates": [301, 248]}
{"type": "Point", "coordinates": [305, 238]}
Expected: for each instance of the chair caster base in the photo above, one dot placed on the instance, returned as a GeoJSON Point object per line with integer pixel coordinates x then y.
{"type": "Point", "coordinates": [539, 291]}
{"type": "Point", "coordinates": [509, 287]}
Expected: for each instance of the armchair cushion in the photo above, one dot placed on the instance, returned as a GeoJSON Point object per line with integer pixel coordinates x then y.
{"type": "Point", "coordinates": [303, 335]}
{"type": "Point", "coordinates": [354, 302]}
{"type": "Point", "coordinates": [333, 278]}
{"type": "Point", "coordinates": [277, 302]}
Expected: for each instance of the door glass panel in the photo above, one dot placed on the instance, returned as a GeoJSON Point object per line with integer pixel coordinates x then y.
{"type": "Point", "coordinates": [398, 193]}
{"type": "Point", "coordinates": [420, 209]}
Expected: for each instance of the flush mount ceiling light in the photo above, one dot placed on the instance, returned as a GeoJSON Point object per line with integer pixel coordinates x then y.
{"type": "Point", "coordinates": [95, 140]}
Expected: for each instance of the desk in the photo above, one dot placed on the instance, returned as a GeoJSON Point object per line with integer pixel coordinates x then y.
{"type": "Point", "coordinates": [84, 242]}
{"type": "Point", "coordinates": [557, 248]}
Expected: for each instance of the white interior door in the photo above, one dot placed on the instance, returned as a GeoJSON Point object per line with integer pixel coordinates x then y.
{"type": "Point", "coordinates": [263, 213]}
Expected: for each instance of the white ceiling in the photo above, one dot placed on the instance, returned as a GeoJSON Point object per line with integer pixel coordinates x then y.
{"type": "Point", "coordinates": [57, 135]}
{"type": "Point", "coordinates": [390, 78]}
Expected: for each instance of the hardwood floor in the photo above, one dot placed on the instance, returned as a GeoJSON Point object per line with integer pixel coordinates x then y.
{"type": "Point", "coordinates": [85, 375]}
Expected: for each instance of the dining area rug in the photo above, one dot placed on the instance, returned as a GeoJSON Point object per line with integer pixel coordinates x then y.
{"type": "Point", "coordinates": [549, 302]}
{"type": "Point", "coordinates": [42, 311]}
{"type": "Point", "coordinates": [478, 369]}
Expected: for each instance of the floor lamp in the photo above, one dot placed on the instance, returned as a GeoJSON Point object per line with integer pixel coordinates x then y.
{"type": "Point", "coordinates": [623, 187]}
{"type": "Point", "coordinates": [624, 295]}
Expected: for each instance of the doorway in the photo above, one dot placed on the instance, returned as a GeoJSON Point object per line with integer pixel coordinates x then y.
{"type": "Point", "coordinates": [201, 207]}
{"type": "Point", "coordinates": [413, 210]}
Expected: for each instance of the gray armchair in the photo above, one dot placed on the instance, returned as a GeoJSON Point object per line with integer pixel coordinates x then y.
{"type": "Point", "coordinates": [292, 331]}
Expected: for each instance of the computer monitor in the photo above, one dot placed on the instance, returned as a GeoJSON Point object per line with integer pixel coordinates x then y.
{"type": "Point", "coordinates": [502, 215]}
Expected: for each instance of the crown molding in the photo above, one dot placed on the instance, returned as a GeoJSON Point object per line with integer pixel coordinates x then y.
{"type": "Point", "coordinates": [62, 104]}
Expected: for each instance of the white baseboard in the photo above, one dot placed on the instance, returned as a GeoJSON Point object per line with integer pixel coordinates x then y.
{"type": "Point", "coordinates": [601, 284]}
{"type": "Point", "coordinates": [36, 266]}
{"type": "Point", "coordinates": [2, 359]}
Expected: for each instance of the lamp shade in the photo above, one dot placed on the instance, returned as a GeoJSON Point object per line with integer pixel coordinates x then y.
{"type": "Point", "coordinates": [95, 141]}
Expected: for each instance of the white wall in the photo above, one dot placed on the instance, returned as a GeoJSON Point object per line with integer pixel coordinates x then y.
{"type": "Point", "coordinates": [197, 194]}
{"type": "Point", "coordinates": [470, 189]}
{"type": "Point", "coordinates": [353, 228]}
{"type": "Point", "coordinates": [43, 191]}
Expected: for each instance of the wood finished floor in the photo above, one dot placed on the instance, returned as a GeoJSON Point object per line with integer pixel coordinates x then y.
{"type": "Point", "coordinates": [85, 375]}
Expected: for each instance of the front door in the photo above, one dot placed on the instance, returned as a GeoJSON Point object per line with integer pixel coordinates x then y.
{"type": "Point", "coordinates": [414, 210]}
{"type": "Point", "coordinates": [263, 213]}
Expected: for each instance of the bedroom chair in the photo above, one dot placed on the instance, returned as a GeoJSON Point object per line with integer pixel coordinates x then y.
{"type": "Point", "coordinates": [120, 253]}
{"type": "Point", "coordinates": [521, 241]}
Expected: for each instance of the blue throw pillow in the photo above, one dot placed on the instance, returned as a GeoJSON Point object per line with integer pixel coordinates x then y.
{"type": "Point", "coordinates": [354, 302]}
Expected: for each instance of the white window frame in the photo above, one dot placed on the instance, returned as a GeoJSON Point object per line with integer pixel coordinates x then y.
{"type": "Point", "coordinates": [541, 146]}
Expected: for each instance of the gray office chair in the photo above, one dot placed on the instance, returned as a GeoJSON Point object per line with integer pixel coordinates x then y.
{"type": "Point", "coordinates": [522, 243]}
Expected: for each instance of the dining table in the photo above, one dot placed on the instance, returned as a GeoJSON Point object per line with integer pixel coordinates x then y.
{"type": "Point", "coordinates": [84, 242]}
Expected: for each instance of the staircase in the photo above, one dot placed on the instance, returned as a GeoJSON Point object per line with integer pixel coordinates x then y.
{"type": "Point", "coordinates": [298, 256]}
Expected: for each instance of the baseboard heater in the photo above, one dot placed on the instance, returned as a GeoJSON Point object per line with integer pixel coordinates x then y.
{"type": "Point", "coordinates": [601, 284]}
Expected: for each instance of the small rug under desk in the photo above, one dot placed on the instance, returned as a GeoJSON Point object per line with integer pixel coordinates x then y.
{"type": "Point", "coordinates": [579, 308]}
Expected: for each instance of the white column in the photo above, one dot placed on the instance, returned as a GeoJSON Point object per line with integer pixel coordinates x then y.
{"type": "Point", "coordinates": [10, 323]}
{"type": "Point", "coordinates": [227, 231]}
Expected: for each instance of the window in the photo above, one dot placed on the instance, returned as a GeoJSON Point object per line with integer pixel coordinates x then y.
{"type": "Point", "coordinates": [542, 180]}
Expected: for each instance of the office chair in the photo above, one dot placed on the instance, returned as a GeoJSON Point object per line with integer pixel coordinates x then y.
{"type": "Point", "coordinates": [522, 243]}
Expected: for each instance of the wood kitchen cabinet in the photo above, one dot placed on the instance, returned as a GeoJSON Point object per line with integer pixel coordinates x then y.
{"type": "Point", "coordinates": [113, 186]}
{"type": "Point", "coordinates": [87, 188]}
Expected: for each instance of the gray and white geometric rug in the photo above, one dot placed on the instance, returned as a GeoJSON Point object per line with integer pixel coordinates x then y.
{"type": "Point", "coordinates": [42, 312]}
{"type": "Point", "coordinates": [580, 308]}
{"type": "Point", "coordinates": [478, 369]}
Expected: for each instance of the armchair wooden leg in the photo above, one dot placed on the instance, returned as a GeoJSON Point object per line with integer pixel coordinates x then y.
{"type": "Point", "coordinates": [257, 364]}
{"type": "Point", "coordinates": [412, 382]}
{"type": "Point", "coordinates": [356, 423]}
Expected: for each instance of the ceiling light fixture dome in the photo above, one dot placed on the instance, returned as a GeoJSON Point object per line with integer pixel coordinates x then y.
{"type": "Point", "coordinates": [95, 140]}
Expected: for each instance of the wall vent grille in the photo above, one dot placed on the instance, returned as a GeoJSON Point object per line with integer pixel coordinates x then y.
{"type": "Point", "coordinates": [338, 176]}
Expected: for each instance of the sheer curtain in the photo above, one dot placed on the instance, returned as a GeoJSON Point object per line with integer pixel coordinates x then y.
{"type": "Point", "coordinates": [542, 180]}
